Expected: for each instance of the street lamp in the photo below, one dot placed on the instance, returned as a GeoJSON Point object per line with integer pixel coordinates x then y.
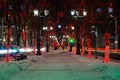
{"type": "Point", "coordinates": [95, 41]}
{"type": "Point", "coordinates": [45, 28]}
{"type": "Point", "coordinates": [84, 12]}
{"type": "Point", "coordinates": [76, 15]}
{"type": "Point", "coordinates": [38, 14]}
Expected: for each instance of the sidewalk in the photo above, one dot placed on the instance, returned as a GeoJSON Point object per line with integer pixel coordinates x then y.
{"type": "Point", "coordinates": [59, 50]}
{"type": "Point", "coordinates": [114, 56]}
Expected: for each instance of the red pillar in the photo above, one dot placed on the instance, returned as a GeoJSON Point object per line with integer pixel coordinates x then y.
{"type": "Point", "coordinates": [24, 38]}
{"type": "Point", "coordinates": [8, 44]}
{"type": "Point", "coordinates": [89, 48]}
{"type": "Point", "coordinates": [107, 46]}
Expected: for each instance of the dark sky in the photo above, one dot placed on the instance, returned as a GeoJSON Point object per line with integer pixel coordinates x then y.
{"type": "Point", "coordinates": [117, 4]}
{"type": "Point", "coordinates": [57, 4]}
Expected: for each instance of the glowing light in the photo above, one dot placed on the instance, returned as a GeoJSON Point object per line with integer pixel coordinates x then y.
{"type": "Point", "coordinates": [110, 10]}
{"type": "Point", "coordinates": [50, 36]}
{"type": "Point", "coordinates": [111, 15]}
{"type": "Point", "coordinates": [4, 39]}
{"type": "Point", "coordinates": [46, 12]}
{"type": "Point", "coordinates": [63, 36]}
{"type": "Point", "coordinates": [99, 10]}
{"type": "Point", "coordinates": [72, 12]}
{"type": "Point", "coordinates": [11, 39]}
{"type": "Point", "coordinates": [71, 40]}
{"type": "Point", "coordinates": [93, 26]}
{"type": "Point", "coordinates": [28, 50]}
{"type": "Point", "coordinates": [43, 49]}
{"type": "Point", "coordinates": [36, 12]}
{"type": "Point", "coordinates": [77, 13]}
{"type": "Point", "coordinates": [67, 36]}
{"type": "Point", "coordinates": [73, 27]}
{"type": "Point", "coordinates": [45, 28]}
{"type": "Point", "coordinates": [25, 50]}
{"type": "Point", "coordinates": [54, 36]}
{"type": "Point", "coordinates": [59, 26]}
{"type": "Point", "coordinates": [14, 50]}
{"type": "Point", "coordinates": [21, 50]}
{"type": "Point", "coordinates": [10, 50]}
{"type": "Point", "coordinates": [84, 13]}
{"type": "Point", "coordinates": [51, 28]}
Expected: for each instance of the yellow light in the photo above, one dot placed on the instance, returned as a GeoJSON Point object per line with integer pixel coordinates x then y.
{"type": "Point", "coordinates": [4, 39]}
{"type": "Point", "coordinates": [11, 39]}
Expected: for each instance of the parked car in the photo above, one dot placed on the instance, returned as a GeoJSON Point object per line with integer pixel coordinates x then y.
{"type": "Point", "coordinates": [18, 57]}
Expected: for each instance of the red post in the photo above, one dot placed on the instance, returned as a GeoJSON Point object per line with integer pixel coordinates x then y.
{"type": "Point", "coordinates": [8, 45]}
{"type": "Point", "coordinates": [89, 48]}
{"type": "Point", "coordinates": [107, 46]}
{"type": "Point", "coordinates": [24, 38]}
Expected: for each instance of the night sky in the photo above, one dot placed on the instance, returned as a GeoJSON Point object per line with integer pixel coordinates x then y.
{"type": "Point", "coordinates": [57, 4]}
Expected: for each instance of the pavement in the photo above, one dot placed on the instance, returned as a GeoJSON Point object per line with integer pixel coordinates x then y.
{"type": "Point", "coordinates": [58, 65]}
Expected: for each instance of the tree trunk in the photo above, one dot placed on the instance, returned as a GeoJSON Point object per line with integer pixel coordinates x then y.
{"type": "Point", "coordinates": [38, 42]}
{"type": "Point", "coordinates": [78, 46]}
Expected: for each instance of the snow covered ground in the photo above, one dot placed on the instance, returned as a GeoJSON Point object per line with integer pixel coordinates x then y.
{"type": "Point", "coordinates": [60, 66]}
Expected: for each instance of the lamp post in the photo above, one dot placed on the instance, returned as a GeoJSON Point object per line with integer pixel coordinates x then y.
{"type": "Point", "coordinates": [48, 30]}
{"type": "Point", "coordinates": [116, 35]}
{"type": "Point", "coordinates": [36, 14]}
{"type": "Point", "coordinates": [65, 41]}
{"type": "Point", "coordinates": [76, 15]}
{"type": "Point", "coordinates": [71, 39]}
{"type": "Point", "coordinates": [47, 44]}
{"type": "Point", "coordinates": [96, 42]}
{"type": "Point", "coordinates": [39, 16]}
{"type": "Point", "coordinates": [110, 10]}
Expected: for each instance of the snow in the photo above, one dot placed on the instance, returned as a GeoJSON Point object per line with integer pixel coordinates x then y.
{"type": "Point", "coordinates": [61, 66]}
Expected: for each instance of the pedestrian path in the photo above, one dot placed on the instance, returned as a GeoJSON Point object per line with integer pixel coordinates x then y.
{"type": "Point", "coordinates": [59, 66]}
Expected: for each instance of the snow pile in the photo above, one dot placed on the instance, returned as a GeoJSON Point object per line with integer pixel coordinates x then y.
{"type": "Point", "coordinates": [108, 71]}
{"type": "Point", "coordinates": [7, 70]}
